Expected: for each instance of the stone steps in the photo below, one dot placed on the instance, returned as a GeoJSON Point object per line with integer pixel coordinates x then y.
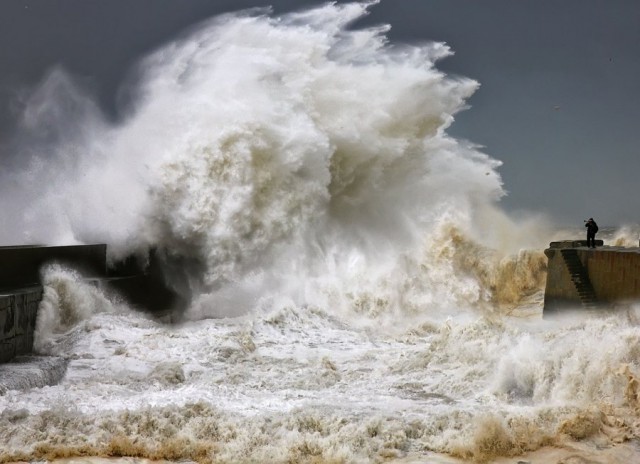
{"type": "Point", "coordinates": [580, 278]}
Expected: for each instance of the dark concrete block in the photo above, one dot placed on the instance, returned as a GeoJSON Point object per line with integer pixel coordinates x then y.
{"type": "Point", "coordinates": [139, 281]}
{"type": "Point", "coordinates": [7, 328]}
{"type": "Point", "coordinates": [20, 265]}
{"type": "Point", "coordinates": [573, 244]}
{"type": "Point", "coordinates": [7, 350]}
{"type": "Point", "coordinates": [7, 316]}
{"type": "Point", "coordinates": [26, 309]}
{"type": "Point", "coordinates": [18, 315]}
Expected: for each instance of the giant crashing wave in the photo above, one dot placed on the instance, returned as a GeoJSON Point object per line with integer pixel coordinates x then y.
{"type": "Point", "coordinates": [283, 160]}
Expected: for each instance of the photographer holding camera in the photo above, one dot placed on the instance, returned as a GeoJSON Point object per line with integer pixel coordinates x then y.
{"type": "Point", "coordinates": [592, 229]}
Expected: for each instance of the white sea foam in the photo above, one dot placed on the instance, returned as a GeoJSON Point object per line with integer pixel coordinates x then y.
{"type": "Point", "coordinates": [300, 384]}
{"type": "Point", "coordinates": [348, 267]}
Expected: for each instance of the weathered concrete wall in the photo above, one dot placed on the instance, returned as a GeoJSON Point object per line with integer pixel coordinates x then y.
{"type": "Point", "coordinates": [18, 312]}
{"type": "Point", "coordinates": [20, 265]}
{"type": "Point", "coordinates": [20, 290]}
{"type": "Point", "coordinates": [614, 274]}
{"type": "Point", "coordinates": [7, 328]}
{"type": "Point", "coordinates": [141, 284]}
{"type": "Point", "coordinates": [559, 290]}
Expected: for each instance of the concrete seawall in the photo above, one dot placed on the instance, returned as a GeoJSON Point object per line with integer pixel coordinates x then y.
{"type": "Point", "coordinates": [18, 312]}
{"type": "Point", "coordinates": [21, 292]}
{"type": "Point", "coordinates": [142, 286]}
{"type": "Point", "coordinates": [20, 265]}
{"type": "Point", "coordinates": [581, 277]}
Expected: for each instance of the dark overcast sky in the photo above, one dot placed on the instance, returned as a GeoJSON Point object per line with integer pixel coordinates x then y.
{"type": "Point", "coordinates": [559, 101]}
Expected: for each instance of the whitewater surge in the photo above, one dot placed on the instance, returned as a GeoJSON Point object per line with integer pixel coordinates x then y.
{"type": "Point", "coordinates": [349, 271]}
{"type": "Point", "coordinates": [297, 384]}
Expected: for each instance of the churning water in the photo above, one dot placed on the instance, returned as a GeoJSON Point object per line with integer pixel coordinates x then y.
{"type": "Point", "coordinates": [356, 293]}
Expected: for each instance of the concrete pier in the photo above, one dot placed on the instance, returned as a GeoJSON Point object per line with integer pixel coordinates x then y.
{"type": "Point", "coordinates": [20, 265]}
{"type": "Point", "coordinates": [21, 292]}
{"type": "Point", "coordinates": [581, 277]}
{"type": "Point", "coordinates": [18, 312]}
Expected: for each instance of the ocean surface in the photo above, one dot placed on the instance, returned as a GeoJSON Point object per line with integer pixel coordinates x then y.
{"type": "Point", "coordinates": [356, 293]}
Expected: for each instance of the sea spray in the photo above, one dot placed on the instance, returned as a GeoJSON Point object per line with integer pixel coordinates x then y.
{"type": "Point", "coordinates": [347, 262]}
{"type": "Point", "coordinates": [68, 302]}
{"type": "Point", "coordinates": [271, 156]}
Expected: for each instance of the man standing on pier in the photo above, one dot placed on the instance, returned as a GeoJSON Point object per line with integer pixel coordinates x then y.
{"type": "Point", "coordinates": [592, 229]}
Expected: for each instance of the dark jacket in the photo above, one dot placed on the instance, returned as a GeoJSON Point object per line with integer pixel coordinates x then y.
{"type": "Point", "coordinates": [592, 227]}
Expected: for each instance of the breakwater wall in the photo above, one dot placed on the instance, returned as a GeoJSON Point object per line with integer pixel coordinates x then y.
{"type": "Point", "coordinates": [581, 277]}
{"type": "Point", "coordinates": [21, 292]}
{"type": "Point", "coordinates": [18, 313]}
{"type": "Point", "coordinates": [142, 285]}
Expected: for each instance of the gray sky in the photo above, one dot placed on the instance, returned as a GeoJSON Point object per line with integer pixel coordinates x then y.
{"type": "Point", "coordinates": [559, 101]}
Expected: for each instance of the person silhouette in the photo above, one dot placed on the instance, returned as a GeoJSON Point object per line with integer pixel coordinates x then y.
{"type": "Point", "coordinates": [592, 230]}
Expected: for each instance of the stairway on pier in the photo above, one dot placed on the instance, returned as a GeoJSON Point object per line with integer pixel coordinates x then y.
{"type": "Point", "coordinates": [580, 278]}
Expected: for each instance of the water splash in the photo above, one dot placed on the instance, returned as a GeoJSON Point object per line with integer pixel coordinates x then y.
{"type": "Point", "coordinates": [67, 303]}
{"type": "Point", "coordinates": [277, 157]}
